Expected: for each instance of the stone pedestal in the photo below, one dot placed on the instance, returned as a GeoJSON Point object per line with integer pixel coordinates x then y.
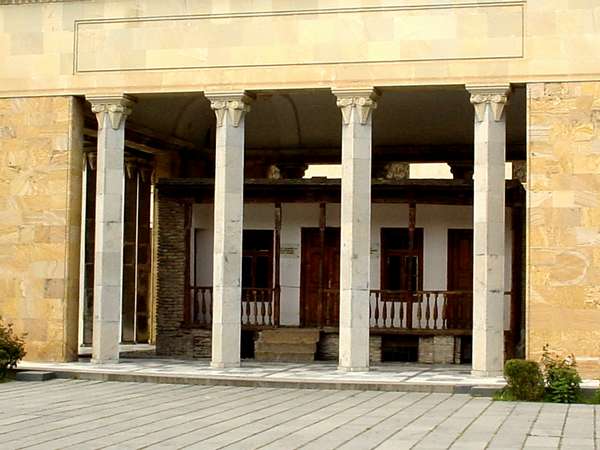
{"type": "Point", "coordinates": [111, 113]}
{"type": "Point", "coordinates": [356, 107]}
{"type": "Point", "coordinates": [230, 109]}
{"type": "Point", "coordinates": [488, 229]}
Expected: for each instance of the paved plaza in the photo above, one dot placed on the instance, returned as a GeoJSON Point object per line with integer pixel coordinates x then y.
{"type": "Point", "coordinates": [76, 414]}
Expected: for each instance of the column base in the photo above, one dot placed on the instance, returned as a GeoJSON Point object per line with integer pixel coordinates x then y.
{"type": "Point", "coordinates": [487, 373]}
{"type": "Point", "coordinates": [220, 365]}
{"type": "Point", "coordinates": [352, 369]}
{"type": "Point", "coordinates": [104, 361]}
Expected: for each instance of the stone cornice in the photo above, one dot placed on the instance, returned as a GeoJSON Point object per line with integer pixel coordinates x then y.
{"type": "Point", "coordinates": [495, 96]}
{"type": "Point", "coordinates": [236, 104]}
{"type": "Point", "coordinates": [117, 107]}
{"type": "Point", "coordinates": [364, 100]}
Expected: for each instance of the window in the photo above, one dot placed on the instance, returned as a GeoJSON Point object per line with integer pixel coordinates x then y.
{"type": "Point", "coordinates": [401, 266]}
{"type": "Point", "coordinates": [257, 259]}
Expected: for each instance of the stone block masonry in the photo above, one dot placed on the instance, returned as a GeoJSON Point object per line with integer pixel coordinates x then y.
{"type": "Point", "coordinates": [563, 221]}
{"type": "Point", "coordinates": [40, 218]}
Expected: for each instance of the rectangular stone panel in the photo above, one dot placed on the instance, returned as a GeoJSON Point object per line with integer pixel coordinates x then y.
{"type": "Point", "coordinates": [357, 35]}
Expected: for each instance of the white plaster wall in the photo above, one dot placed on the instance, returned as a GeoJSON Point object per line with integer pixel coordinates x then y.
{"type": "Point", "coordinates": [434, 219]}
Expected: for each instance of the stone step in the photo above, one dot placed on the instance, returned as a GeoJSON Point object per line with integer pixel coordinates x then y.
{"type": "Point", "coordinates": [290, 336]}
{"type": "Point", "coordinates": [276, 347]}
{"type": "Point", "coordinates": [284, 357]}
{"type": "Point", "coordinates": [34, 375]}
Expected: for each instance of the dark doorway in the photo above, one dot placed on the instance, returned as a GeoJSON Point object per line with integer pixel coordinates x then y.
{"type": "Point", "coordinates": [320, 277]}
{"type": "Point", "coordinates": [401, 260]}
{"type": "Point", "coordinates": [459, 312]}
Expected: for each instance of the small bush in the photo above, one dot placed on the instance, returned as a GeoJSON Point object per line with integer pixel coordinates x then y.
{"type": "Point", "coordinates": [12, 348]}
{"type": "Point", "coordinates": [524, 381]}
{"type": "Point", "coordinates": [562, 380]}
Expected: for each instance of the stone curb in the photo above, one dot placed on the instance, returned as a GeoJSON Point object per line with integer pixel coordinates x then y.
{"type": "Point", "coordinates": [486, 391]}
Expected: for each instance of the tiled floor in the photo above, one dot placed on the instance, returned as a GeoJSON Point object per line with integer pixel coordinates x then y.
{"type": "Point", "coordinates": [72, 414]}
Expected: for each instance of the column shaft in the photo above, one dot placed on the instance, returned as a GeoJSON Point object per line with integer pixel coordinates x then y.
{"type": "Point", "coordinates": [111, 113]}
{"type": "Point", "coordinates": [489, 230]}
{"type": "Point", "coordinates": [230, 110]}
{"type": "Point", "coordinates": [356, 107]}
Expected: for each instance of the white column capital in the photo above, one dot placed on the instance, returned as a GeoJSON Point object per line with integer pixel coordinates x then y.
{"type": "Point", "coordinates": [236, 104]}
{"type": "Point", "coordinates": [117, 107]}
{"type": "Point", "coordinates": [364, 100]}
{"type": "Point", "coordinates": [496, 96]}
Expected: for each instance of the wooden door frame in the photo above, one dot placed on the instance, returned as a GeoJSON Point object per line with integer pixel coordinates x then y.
{"type": "Point", "coordinates": [303, 276]}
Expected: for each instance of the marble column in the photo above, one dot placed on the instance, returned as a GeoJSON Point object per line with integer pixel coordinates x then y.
{"type": "Point", "coordinates": [230, 109]}
{"type": "Point", "coordinates": [488, 228]}
{"type": "Point", "coordinates": [111, 112]}
{"type": "Point", "coordinates": [356, 106]}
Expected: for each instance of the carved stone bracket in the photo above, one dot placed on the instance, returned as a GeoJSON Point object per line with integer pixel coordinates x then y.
{"type": "Point", "coordinates": [494, 96]}
{"type": "Point", "coordinates": [235, 104]}
{"type": "Point", "coordinates": [362, 100]}
{"type": "Point", "coordinates": [116, 108]}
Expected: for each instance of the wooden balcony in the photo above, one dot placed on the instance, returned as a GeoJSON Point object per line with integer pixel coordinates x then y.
{"type": "Point", "coordinates": [260, 307]}
{"type": "Point", "coordinates": [397, 312]}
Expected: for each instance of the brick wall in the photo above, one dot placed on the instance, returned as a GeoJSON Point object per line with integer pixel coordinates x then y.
{"type": "Point", "coordinates": [173, 338]}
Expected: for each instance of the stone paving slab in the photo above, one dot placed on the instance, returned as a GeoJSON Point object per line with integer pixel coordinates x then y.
{"type": "Point", "coordinates": [76, 414]}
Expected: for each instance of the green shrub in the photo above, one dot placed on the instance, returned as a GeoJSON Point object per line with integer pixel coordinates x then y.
{"type": "Point", "coordinates": [524, 380]}
{"type": "Point", "coordinates": [562, 380]}
{"type": "Point", "coordinates": [12, 348]}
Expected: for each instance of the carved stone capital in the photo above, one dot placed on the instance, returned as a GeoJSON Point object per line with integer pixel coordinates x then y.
{"type": "Point", "coordinates": [494, 96]}
{"type": "Point", "coordinates": [115, 107]}
{"type": "Point", "coordinates": [235, 104]}
{"type": "Point", "coordinates": [363, 101]}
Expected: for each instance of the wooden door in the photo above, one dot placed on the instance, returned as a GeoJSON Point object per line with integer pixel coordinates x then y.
{"type": "Point", "coordinates": [460, 278]}
{"type": "Point", "coordinates": [320, 277]}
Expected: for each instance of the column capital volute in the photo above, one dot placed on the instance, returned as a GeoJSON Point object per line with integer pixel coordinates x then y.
{"type": "Point", "coordinates": [363, 99]}
{"type": "Point", "coordinates": [117, 107]}
{"type": "Point", "coordinates": [236, 104]}
{"type": "Point", "coordinates": [494, 95]}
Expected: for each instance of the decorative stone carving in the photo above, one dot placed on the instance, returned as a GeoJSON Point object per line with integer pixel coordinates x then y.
{"type": "Point", "coordinates": [396, 171]}
{"type": "Point", "coordinates": [362, 100]}
{"type": "Point", "coordinates": [273, 173]}
{"type": "Point", "coordinates": [115, 107]}
{"type": "Point", "coordinates": [519, 171]}
{"type": "Point", "coordinates": [234, 104]}
{"type": "Point", "coordinates": [494, 96]}
{"type": "Point", "coordinates": [90, 156]}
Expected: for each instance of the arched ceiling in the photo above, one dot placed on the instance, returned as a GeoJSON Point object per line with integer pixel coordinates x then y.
{"type": "Point", "coordinates": [310, 119]}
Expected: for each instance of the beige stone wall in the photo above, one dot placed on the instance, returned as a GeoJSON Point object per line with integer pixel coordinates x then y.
{"type": "Point", "coordinates": [563, 261]}
{"type": "Point", "coordinates": [40, 210]}
{"type": "Point", "coordinates": [135, 46]}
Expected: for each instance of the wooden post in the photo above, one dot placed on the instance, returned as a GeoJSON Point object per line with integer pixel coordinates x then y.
{"type": "Point", "coordinates": [277, 291]}
{"type": "Point", "coordinates": [322, 228]}
{"type": "Point", "coordinates": [412, 220]}
{"type": "Point", "coordinates": [187, 299]}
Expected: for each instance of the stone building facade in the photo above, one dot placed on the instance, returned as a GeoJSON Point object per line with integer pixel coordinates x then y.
{"type": "Point", "coordinates": [208, 89]}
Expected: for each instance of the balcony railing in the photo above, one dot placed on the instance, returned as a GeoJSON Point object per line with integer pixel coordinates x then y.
{"type": "Point", "coordinates": [260, 307]}
{"type": "Point", "coordinates": [388, 310]}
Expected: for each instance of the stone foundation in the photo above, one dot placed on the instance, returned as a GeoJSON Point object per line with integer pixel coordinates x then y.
{"type": "Point", "coordinates": [439, 349]}
{"type": "Point", "coordinates": [328, 348]}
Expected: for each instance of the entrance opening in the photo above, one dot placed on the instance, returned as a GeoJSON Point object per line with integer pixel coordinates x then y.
{"type": "Point", "coordinates": [320, 277]}
{"type": "Point", "coordinates": [399, 348]}
{"type": "Point", "coordinates": [247, 344]}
